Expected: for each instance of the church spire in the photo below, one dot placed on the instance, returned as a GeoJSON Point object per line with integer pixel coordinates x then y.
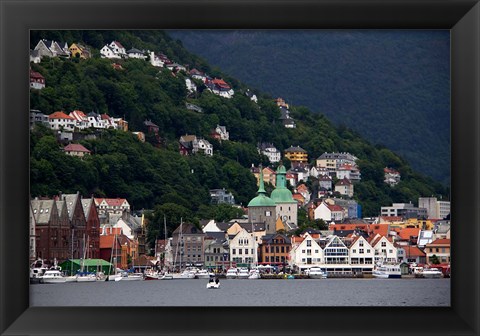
{"type": "Point", "coordinates": [261, 186]}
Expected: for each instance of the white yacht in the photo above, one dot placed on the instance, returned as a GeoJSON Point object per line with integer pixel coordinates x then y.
{"type": "Point", "coordinates": [431, 273]}
{"type": "Point", "coordinates": [126, 276]}
{"type": "Point", "coordinates": [203, 274]}
{"type": "Point", "coordinates": [254, 274]}
{"type": "Point", "coordinates": [243, 273]}
{"type": "Point", "coordinates": [53, 276]}
{"type": "Point", "coordinates": [86, 277]}
{"type": "Point", "coordinates": [232, 273]}
{"type": "Point", "coordinates": [382, 270]}
{"type": "Point", "coordinates": [317, 273]}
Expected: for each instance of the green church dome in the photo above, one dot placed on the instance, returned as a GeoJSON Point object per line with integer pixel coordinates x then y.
{"type": "Point", "coordinates": [281, 194]}
{"type": "Point", "coordinates": [262, 200]}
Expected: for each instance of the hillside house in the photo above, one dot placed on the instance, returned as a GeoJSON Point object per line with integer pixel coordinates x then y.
{"type": "Point", "coordinates": [76, 150]}
{"type": "Point", "coordinates": [37, 81]}
{"type": "Point", "coordinates": [296, 155]}
{"type": "Point", "coordinates": [190, 145]}
{"type": "Point", "coordinates": [135, 53]}
{"type": "Point", "coordinates": [61, 121]}
{"type": "Point", "coordinates": [329, 212]}
{"type": "Point", "coordinates": [270, 151]}
{"type": "Point", "coordinates": [392, 177]}
{"type": "Point", "coordinates": [79, 50]}
{"type": "Point", "coordinates": [332, 161]}
{"type": "Point", "coordinates": [344, 187]}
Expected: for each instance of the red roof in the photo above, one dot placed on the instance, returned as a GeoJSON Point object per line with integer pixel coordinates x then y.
{"type": "Point", "coordinates": [440, 242]}
{"type": "Point", "coordinates": [413, 251]}
{"type": "Point", "coordinates": [334, 207]}
{"type": "Point", "coordinates": [406, 233]}
{"type": "Point", "coordinates": [345, 182]}
{"type": "Point", "coordinates": [59, 115]}
{"type": "Point", "coordinates": [111, 201]}
{"type": "Point", "coordinates": [75, 148]}
{"type": "Point", "coordinates": [34, 74]}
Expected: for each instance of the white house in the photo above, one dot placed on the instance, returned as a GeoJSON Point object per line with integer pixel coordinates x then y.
{"type": "Point", "coordinates": [348, 171]}
{"type": "Point", "coordinates": [384, 249]}
{"type": "Point", "coordinates": [307, 254]}
{"type": "Point", "coordinates": [344, 187]}
{"type": "Point", "coordinates": [107, 52]}
{"type": "Point", "coordinates": [211, 226]}
{"type": "Point", "coordinates": [191, 87]}
{"type": "Point", "coordinates": [362, 254]}
{"type": "Point", "coordinates": [204, 146]}
{"type": "Point", "coordinates": [118, 48]}
{"type": "Point", "coordinates": [135, 53]}
{"type": "Point", "coordinates": [61, 121]}
{"type": "Point", "coordinates": [329, 212]}
{"type": "Point", "coordinates": [155, 60]}
{"type": "Point", "coordinates": [270, 151]}
{"type": "Point", "coordinates": [222, 131]}
{"type": "Point", "coordinates": [243, 248]}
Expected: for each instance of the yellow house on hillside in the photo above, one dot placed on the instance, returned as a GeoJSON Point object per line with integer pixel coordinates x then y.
{"type": "Point", "coordinates": [80, 50]}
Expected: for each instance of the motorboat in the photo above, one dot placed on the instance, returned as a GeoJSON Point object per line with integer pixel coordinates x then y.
{"type": "Point", "coordinates": [188, 273]}
{"type": "Point", "coordinates": [243, 273]}
{"type": "Point", "coordinates": [53, 276]}
{"type": "Point", "coordinates": [127, 276]}
{"type": "Point", "coordinates": [431, 273]}
{"type": "Point", "coordinates": [213, 284]}
{"type": "Point", "coordinates": [203, 274]}
{"type": "Point", "coordinates": [317, 273]}
{"type": "Point", "coordinates": [37, 270]}
{"type": "Point", "coordinates": [232, 273]}
{"type": "Point", "coordinates": [387, 271]}
{"type": "Point", "coordinates": [254, 274]}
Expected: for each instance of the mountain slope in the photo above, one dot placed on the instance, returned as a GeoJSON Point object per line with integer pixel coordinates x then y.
{"type": "Point", "coordinates": [392, 87]}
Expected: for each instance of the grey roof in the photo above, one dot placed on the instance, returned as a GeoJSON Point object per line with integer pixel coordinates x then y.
{"type": "Point", "coordinates": [42, 210]}
{"type": "Point", "coordinates": [86, 205]}
{"type": "Point", "coordinates": [134, 50]}
{"type": "Point", "coordinates": [295, 149]}
{"type": "Point", "coordinates": [344, 156]}
{"type": "Point", "coordinates": [218, 236]}
{"type": "Point", "coordinates": [71, 200]}
{"type": "Point", "coordinates": [268, 238]}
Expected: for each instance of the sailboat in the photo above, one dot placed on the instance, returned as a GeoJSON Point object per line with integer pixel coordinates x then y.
{"type": "Point", "coordinates": [254, 272]}
{"type": "Point", "coordinates": [189, 272]}
{"type": "Point", "coordinates": [85, 276]}
{"type": "Point", "coordinates": [115, 276]}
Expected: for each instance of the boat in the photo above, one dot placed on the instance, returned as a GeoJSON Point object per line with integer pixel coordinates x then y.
{"type": "Point", "coordinates": [254, 274]}
{"type": "Point", "coordinates": [188, 273]}
{"type": "Point", "coordinates": [243, 273]}
{"type": "Point", "coordinates": [86, 277]}
{"type": "Point", "coordinates": [431, 273]}
{"type": "Point", "coordinates": [203, 274]}
{"type": "Point", "coordinates": [232, 273]}
{"type": "Point", "coordinates": [166, 276]}
{"type": "Point", "coordinates": [130, 276]}
{"type": "Point", "coordinates": [317, 273]}
{"type": "Point", "coordinates": [213, 283]}
{"type": "Point", "coordinates": [37, 270]}
{"type": "Point", "coordinates": [53, 276]}
{"type": "Point", "coordinates": [387, 271]}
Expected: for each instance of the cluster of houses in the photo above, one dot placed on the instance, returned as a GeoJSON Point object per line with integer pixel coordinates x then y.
{"type": "Point", "coordinates": [68, 226]}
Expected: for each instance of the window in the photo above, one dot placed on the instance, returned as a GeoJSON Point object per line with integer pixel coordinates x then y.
{"type": "Point", "coordinates": [239, 251]}
{"type": "Point", "coordinates": [233, 251]}
{"type": "Point", "coordinates": [390, 251]}
{"type": "Point", "coordinates": [316, 251]}
{"type": "Point", "coordinates": [309, 243]}
{"type": "Point", "coordinates": [360, 243]}
{"type": "Point", "coordinates": [368, 250]}
{"type": "Point", "coordinates": [361, 251]}
{"type": "Point", "coordinates": [246, 251]}
{"type": "Point", "coordinates": [384, 244]}
{"type": "Point", "coordinates": [354, 251]}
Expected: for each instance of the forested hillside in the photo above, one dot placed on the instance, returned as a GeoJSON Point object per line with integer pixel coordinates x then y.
{"type": "Point", "coordinates": [153, 175]}
{"type": "Point", "coordinates": [392, 87]}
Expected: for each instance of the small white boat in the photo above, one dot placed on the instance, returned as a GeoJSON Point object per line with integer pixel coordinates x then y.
{"type": "Point", "coordinates": [254, 274]}
{"type": "Point", "coordinates": [213, 284]}
{"type": "Point", "coordinates": [232, 273]}
{"type": "Point", "coordinates": [130, 276]}
{"type": "Point", "coordinates": [71, 278]}
{"type": "Point", "coordinates": [317, 273]}
{"type": "Point", "coordinates": [166, 277]}
{"type": "Point", "coordinates": [243, 273]}
{"type": "Point", "coordinates": [86, 277]}
{"type": "Point", "coordinates": [387, 271]}
{"type": "Point", "coordinates": [53, 276]}
{"type": "Point", "coordinates": [431, 273]}
{"type": "Point", "coordinates": [188, 273]}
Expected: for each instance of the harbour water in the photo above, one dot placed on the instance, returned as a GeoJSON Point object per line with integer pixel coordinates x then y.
{"type": "Point", "coordinates": [234, 293]}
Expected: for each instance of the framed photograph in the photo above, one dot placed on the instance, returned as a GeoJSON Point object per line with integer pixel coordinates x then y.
{"type": "Point", "coordinates": [20, 18]}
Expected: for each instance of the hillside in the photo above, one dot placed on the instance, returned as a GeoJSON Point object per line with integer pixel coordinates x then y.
{"type": "Point", "coordinates": [392, 87]}
{"type": "Point", "coordinates": [153, 175]}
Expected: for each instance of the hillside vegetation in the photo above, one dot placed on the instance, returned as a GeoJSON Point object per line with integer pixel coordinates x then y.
{"type": "Point", "coordinates": [154, 175]}
{"type": "Point", "coordinates": [391, 86]}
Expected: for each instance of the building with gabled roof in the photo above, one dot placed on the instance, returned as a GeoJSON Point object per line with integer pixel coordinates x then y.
{"type": "Point", "coordinates": [439, 248]}
{"type": "Point", "coordinates": [76, 150]}
{"type": "Point", "coordinates": [344, 187]}
{"type": "Point", "coordinates": [296, 155]}
{"type": "Point", "coordinates": [60, 121]}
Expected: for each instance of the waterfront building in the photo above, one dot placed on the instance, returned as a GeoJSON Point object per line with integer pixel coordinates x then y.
{"type": "Point", "coordinates": [275, 249]}
{"type": "Point", "coordinates": [78, 223]}
{"type": "Point", "coordinates": [384, 249]}
{"type": "Point", "coordinates": [216, 250]}
{"type": "Point", "coordinates": [439, 248]}
{"type": "Point", "coordinates": [93, 227]}
{"type": "Point", "coordinates": [187, 246]}
{"type": "Point", "coordinates": [306, 254]}
{"type": "Point", "coordinates": [262, 209]}
{"type": "Point", "coordinates": [243, 249]}
{"type": "Point", "coordinates": [32, 251]}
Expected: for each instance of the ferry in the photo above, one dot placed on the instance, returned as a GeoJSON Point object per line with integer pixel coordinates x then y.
{"type": "Point", "coordinates": [385, 271]}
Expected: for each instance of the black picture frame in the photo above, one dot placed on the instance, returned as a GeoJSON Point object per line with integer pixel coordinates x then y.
{"type": "Point", "coordinates": [19, 16]}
